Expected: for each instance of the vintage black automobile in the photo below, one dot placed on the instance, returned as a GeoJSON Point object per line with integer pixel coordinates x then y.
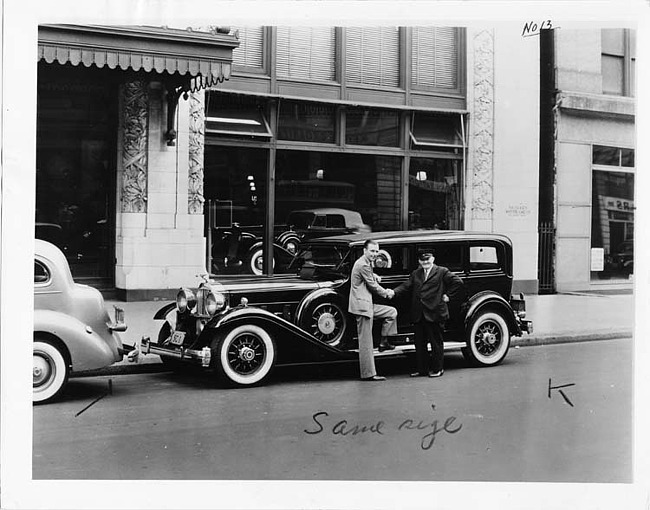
{"type": "Point", "coordinates": [240, 329]}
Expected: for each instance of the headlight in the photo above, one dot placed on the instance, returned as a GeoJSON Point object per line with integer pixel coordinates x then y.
{"type": "Point", "coordinates": [214, 302]}
{"type": "Point", "coordinates": [185, 299]}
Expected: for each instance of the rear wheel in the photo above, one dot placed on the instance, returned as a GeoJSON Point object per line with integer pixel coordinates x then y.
{"type": "Point", "coordinates": [488, 341]}
{"type": "Point", "coordinates": [245, 356]}
{"type": "Point", "coordinates": [50, 371]}
{"type": "Point", "coordinates": [256, 261]}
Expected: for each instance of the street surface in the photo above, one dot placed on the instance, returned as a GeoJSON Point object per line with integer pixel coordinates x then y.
{"type": "Point", "coordinates": [321, 423]}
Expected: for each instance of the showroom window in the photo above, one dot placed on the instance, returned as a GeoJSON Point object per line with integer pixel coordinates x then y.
{"type": "Point", "coordinates": [618, 62]}
{"type": "Point", "coordinates": [337, 193]}
{"type": "Point", "coordinates": [372, 56]}
{"type": "Point", "coordinates": [306, 53]}
{"type": "Point", "coordinates": [612, 213]}
{"type": "Point", "coordinates": [435, 194]}
{"type": "Point", "coordinates": [306, 122]}
{"type": "Point", "coordinates": [236, 116]}
{"type": "Point", "coordinates": [235, 194]}
{"type": "Point", "coordinates": [371, 126]}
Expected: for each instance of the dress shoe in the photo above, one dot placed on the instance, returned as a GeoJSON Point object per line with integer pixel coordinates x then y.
{"type": "Point", "coordinates": [386, 347]}
{"type": "Point", "coordinates": [418, 374]}
{"type": "Point", "coordinates": [436, 374]}
{"type": "Point", "coordinates": [374, 378]}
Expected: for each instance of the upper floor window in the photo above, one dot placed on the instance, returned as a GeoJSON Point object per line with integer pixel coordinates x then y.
{"type": "Point", "coordinates": [613, 156]}
{"type": "Point", "coordinates": [435, 58]}
{"type": "Point", "coordinates": [618, 61]}
{"type": "Point", "coordinates": [250, 52]}
{"type": "Point", "coordinates": [372, 56]}
{"type": "Point", "coordinates": [306, 53]}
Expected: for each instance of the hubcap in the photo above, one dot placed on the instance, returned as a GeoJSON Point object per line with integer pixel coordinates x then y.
{"type": "Point", "coordinates": [488, 339]}
{"type": "Point", "coordinates": [246, 354]}
{"type": "Point", "coordinates": [42, 370]}
{"type": "Point", "coordinates": [326, 323]}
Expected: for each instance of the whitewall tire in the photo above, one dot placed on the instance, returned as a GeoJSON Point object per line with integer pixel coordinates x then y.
{"type": "Point", "coordinates": [245, 356]}
{"type": "Point", "coordinates": [488, 341]}
{"type": "Point", "coordinates": [50, 372]}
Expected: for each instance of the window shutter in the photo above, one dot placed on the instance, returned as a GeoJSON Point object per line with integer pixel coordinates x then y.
{"type": "Point", "coordinates": [251, 47]}
{"type": "Point", "coordinates": [435, 57]}
{"type": "Point", "coordinates": [372, 55]}
{"type": "Point", "coordinates": [306, 53]}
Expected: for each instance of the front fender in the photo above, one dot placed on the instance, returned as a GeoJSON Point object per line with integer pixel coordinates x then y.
{"type": "Point", "coordinates": [164, 311]}
{"type": "Point", "coordinates": [487, 299]}
{"type": "Point", "coordinates": [89, 349]}
{"type": "Point", "coordinates": [294, 345]}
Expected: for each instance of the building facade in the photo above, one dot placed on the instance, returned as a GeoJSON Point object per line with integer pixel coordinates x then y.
{"type": "Point", "coordinates": [594, 167]}
{"type": "Point", "coordinates": [411, 127]}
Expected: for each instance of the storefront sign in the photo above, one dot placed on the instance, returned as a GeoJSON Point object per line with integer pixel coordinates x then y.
{"type": "Point", "coordinates": [438, 186]}
{"type": "Point", "coordinates": [598, 259]}
{"type": "Point", "coordinates": [617, 204]}
{"type": "Point", "coordinates": [518, 211]}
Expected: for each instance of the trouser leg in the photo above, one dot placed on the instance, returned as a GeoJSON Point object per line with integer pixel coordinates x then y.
{"type": "Point", "coordinates": [366, 355]}
{"type": "Point", "coordinates": [388, 315]}
{"type": "Point", "coordinates": [437, 346]}
{"type": "Point", "coordinates": [421, 352]}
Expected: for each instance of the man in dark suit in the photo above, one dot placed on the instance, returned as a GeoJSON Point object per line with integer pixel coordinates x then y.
{"type": "Point", "coordinates": [364, 283]}
{"type": "Point", "coordinates": [429, 287]}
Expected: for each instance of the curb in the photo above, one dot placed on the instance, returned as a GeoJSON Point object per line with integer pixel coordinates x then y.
{"type": "Point", "coordinates": [126, 368]}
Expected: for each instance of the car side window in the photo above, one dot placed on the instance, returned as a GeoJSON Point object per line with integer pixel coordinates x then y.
{"type": "Point", "coordinates": [448, 254]}
{"type": "Point", "coordinates": [41, 273]}
{"type": "Point", "coordinates": [392, 260]}
{"type": "Point", "coordinates": [335, 221]}
{"type": "Point", "coordinates": [483, 258]}
{"type": "Point", "coordinates": [319, 221]}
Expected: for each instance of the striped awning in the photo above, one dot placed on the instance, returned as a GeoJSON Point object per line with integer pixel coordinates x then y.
{"type": "Point", "coordinates": [203, 58]}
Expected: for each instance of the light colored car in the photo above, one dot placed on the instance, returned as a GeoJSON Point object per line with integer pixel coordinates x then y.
{"type": "Point", "coordinates": [72, 329]}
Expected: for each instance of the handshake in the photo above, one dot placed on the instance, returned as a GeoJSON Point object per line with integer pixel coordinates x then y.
{"type": "Point", "coordinates": [390, 293]}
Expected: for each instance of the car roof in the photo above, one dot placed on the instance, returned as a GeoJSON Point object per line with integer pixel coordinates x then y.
{"type": "Point", "coordinates": [400, 236]}
{"type": "Point", "coordinates": [328, 210]}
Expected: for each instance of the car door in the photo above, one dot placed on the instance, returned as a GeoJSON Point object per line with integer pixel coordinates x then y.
{"type": "Point", "coordinates": [393, 264]}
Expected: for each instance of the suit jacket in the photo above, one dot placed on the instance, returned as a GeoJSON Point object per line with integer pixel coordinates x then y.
{"type": "Point", "coordinates": [426, 296]}
{"type": "Point", "coordinates": [363, 285]}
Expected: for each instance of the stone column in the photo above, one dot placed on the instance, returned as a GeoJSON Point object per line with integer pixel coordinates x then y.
{"type": "Point", "coordinates": [160, 242]}
{"type": "Point", "coordinates": [481, 145]}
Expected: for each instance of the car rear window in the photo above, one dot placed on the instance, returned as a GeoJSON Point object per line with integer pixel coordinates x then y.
{"type": "Point", "coordinates": [41, 273]}
{"type": "Point", "coordinates": [483, 258]}
{"type": "Point", "coordinates": [448, 254]}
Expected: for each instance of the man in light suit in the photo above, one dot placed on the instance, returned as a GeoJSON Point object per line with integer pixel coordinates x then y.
{"type": "Point", "coordinates": [363, 285]}
{"type": "Point", "coordinates": [429, 287]}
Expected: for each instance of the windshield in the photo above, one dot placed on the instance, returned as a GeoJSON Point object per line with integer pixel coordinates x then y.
{"type": "Point", "coordinates": [330, 256]}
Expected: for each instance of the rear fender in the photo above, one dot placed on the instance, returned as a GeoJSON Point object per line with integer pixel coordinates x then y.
{"type": "Point", "coordinates": [491, 300]}
{"type": "Point", "coordinates": [87, 348]}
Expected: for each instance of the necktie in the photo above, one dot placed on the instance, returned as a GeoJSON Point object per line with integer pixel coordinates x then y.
{"type": "Point", "coordinates": [426, 274]}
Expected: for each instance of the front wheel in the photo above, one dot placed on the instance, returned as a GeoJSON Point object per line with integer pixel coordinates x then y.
{"type": "Point", "coordinates": [245, 356]}
{"type": "Point", "coordinates": [50, 372]}
{"type": "Point", "coordinates": [488, 341]}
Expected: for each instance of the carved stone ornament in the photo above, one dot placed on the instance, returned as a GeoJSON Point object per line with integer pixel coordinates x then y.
{"type": "Point", "coordinates": [197, 133]}
{"type": "Point", "coordinates": [482, 131]}
{"type": "Point", "coordinates": [134, 152]}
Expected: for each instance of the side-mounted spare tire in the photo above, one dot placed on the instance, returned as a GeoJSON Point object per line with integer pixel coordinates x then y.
{"type": "Point", "coordinates": [326, 319]}
{"type": "Point", "coordinates": [244, 356]}
{"type": "Point", "coordinates": [488, 339]}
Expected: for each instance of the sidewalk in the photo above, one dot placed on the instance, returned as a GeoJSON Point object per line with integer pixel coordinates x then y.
{"type": "Point", "coordinates": [557, 318]}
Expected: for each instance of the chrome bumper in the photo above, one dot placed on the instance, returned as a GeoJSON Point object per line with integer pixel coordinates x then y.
{"type": "Point", "coordinates": [202, 356]}
{"type": "Point", "coordinates": [526, 326]}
